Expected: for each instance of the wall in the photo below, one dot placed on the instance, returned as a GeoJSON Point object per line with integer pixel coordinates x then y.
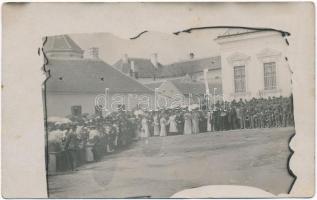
{"type": "Point", "coordinates": [59, 104]}
{"type": "Point", "coordinates": [252, 50]}
{"type": "Point", "coordinates": [170, 94]}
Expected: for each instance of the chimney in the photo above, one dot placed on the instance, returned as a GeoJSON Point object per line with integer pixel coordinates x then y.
{"type": "Point", "coordinates": [191, 55]}
{"type": "Point", "coordinates": [92, 53]}
{"type": "Point", "coordinates": [154, 60]}
{"type": "Point", "coordinates": [125, 58]}
{"type": "Point", "coordinates": [132, 66]}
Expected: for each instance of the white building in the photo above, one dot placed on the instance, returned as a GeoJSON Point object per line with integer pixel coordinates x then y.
{"type": "Point", "coordinates": [253, 64]}
{"type": "Point", "coordinates": [76, 81]}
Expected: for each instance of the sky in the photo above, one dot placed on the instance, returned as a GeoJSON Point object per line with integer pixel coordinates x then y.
{"type": "Point", "coordinates": [110, 28]}
{"type": "Point", "coordinates": [168, 47]}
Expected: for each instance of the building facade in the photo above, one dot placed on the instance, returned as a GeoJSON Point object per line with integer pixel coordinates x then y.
{"type": "Point", "coordinates": [254, 64]}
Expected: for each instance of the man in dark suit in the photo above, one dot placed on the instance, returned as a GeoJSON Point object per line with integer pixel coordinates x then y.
{"type": "Point", "coordinates": [71, 147]}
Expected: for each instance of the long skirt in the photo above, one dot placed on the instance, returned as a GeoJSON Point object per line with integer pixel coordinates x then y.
{"type": "Point", "coordinates": [156, 130]}
{"type": "Point", "coordinates": [187, 127]}
{"type": "Point", "coordinates": [89, 154]}
{"type": "Point", "coordinates": [195, 127]}
{"type": "Point", "coordinates": [208, 125]}
{"type": "Point", "coordinates": [163, 131]}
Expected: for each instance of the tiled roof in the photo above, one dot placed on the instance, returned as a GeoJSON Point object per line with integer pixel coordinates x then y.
{"type": "Point", "coordinates": [154, 85]}
{"type": "Point", "coordinates": [89, 76]}
{"type": "Point", "coordinates": [191, 66]}
{"type": "Point", "coordinates": [61, 43]}
{"type": "Point", "coordinates": [195, 88]}
{"type": "Point", "coordinates": [144, 67]}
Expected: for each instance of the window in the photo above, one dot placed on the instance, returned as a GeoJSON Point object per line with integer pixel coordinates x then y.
{"type": "Point", "coordinates": [239, 79]}
{"type": "Point", "coordinates": [76, 110]}
{"type": "Point", "coordinates": [269, 76]}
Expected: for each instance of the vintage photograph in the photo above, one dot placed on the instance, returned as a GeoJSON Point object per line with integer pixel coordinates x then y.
{"type": "Point", "coordinates": [157, 114]}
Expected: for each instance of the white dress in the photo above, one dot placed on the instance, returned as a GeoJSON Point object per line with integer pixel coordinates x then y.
{"type": "Point", "coordinates": [188, 124]}
{"type": "Point", "coordinates": [89, 146]}
{"type": "Point", "coordinates": [145, 128]}
{"type": "Point", "coordinates": [156, 126]}
{"type": "Point", "coordinates": [173, 124]}
{"type": "Point", "coordinates": [163, 126]}
{"type": "Point", "coordinates": [89, 153]}
{"type": "Point", "coordinates": [209, 121]}
{"type": "Point", "coordinates": [195, 122]}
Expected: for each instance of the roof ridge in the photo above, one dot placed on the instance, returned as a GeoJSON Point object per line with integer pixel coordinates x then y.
{"type": "Point", "coordinates": [190, 60]}
{"type": "Point", "coordinates": [129, 77]}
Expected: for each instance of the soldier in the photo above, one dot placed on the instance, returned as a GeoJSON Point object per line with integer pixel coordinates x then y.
{"type": "Point", "coordinates": [202, 122]}
{"type": "Point", "coordinates": [232, 118]}
{"type": "Point", "coordinates": [272, 118]}
{"type": "Point", "coordinates": [247, 117]}
{"type": "Point", "coordinates": [216, 117]}
{"type": "Point", "coordinates": [151, 122]}
{"type": "Point", "coordinates": [243, 115]}
{"type": "Point", "coordinates": [109, 136]}
{"type": "Point", "coordinates": [239, 116]}
{"type": "Point", "coordinates": [123, 128]}
{"type": "Point", "coordinates": [222, 115]}
{"type": "Point", "coordinates": [276, 116]}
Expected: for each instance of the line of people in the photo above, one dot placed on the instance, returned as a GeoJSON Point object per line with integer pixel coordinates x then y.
{"type": "Point", "coordinates": [89, 139]}
{"type": "Point", "coordinates": [255, 113]}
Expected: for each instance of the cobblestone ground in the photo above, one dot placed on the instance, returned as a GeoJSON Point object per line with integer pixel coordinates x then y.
{"type": "Point", "coordinates": [162, 166]}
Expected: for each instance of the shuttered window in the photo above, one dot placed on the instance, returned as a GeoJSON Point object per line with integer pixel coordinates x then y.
{"type": "Point", "coordinates": [239, 79]}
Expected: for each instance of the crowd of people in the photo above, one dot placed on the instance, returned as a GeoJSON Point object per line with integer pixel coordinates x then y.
{"type": "Point", "coordinates": [86, 139]}
{"type": "Point", "coordinates": [89, 139]}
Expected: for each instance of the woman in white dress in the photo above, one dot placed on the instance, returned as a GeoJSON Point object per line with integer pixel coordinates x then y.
{"type": "Point", "coordinates": [145, 128]}
{"type": "Point", "coordinates": [156, 125]}
{"type": "Point", "coordinates": [188, 124]}
{"type": "Point", "coordinates": [173, 125]}
{"type": "Point", "coordinates": [195, 122]}
{"type": "Point", "coordinates": [93, 133]}
{"type": "Point", "coordinates": [209, 116]}
{"type": "Point", "coordinates": [163, 126]}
